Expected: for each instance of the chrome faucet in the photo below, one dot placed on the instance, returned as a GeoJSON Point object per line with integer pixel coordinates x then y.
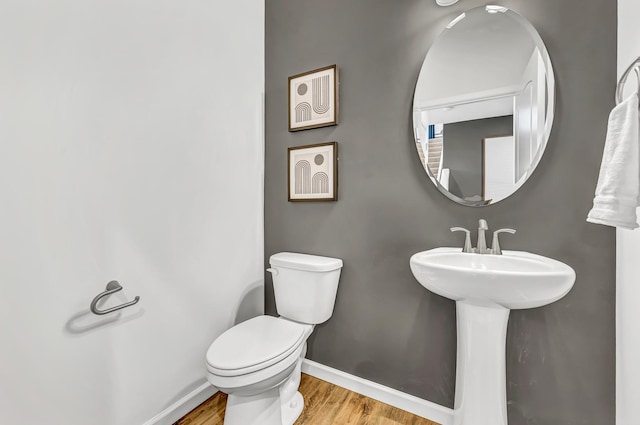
{"type": "Point", "coordinates": [467, 238]}
{"type": "Point", "coordinates": [482, 241]}
{"type": "Point", "coordinates": [495, 243]}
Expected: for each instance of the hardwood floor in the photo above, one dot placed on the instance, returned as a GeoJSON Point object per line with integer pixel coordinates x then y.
{"type": "Point", "coordinates": [324, 404]}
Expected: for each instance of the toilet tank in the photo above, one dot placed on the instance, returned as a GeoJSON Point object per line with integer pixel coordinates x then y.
{"type": "Point", "coordinates": [305, 286]}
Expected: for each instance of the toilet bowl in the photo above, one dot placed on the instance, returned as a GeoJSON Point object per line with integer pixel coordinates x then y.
{"type": "Point", "coordinates": [258, 362]}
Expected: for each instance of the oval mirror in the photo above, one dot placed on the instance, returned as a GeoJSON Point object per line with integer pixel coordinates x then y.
{"type": "Point", "coordinates": [483, 105]}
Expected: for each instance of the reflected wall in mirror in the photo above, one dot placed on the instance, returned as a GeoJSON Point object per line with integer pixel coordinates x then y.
{"type": "Point", "coordinates": [483, 105]}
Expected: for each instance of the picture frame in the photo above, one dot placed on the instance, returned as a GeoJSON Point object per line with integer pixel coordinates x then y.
{"type": "Point", "coordinates": [312, 172]}
{"type": "Point", "coordinates": [313, 99]}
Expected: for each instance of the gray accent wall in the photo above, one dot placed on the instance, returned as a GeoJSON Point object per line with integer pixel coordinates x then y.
{"type": "Point", "coordinates": [386, 327]}
{"type": "Point", "coordinates": [463, 151]}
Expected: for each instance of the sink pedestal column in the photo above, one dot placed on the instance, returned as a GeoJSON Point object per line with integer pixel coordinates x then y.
{"type": "Point", "coordinates": [481, 396]}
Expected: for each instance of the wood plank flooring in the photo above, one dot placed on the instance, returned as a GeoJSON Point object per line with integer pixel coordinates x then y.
{"type": "Point", "coordinates": [324, 404]}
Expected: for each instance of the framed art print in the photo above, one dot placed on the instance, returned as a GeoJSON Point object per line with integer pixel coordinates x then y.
{"type": "Point", "coordinates": [313, 172]}
{"type": "Point", "coordinates": [313, 99]}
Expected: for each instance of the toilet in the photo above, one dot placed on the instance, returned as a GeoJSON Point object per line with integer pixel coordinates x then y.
{"type": "Point", "coordinates": [257, 362]}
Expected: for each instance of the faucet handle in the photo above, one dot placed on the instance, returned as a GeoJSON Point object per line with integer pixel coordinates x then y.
{"type": "Point", "coordinates": [467, 238]}
{"type": "Point", "coordinates": [495, 244]}
{"type": "Point", "coordinates": [482, 224]}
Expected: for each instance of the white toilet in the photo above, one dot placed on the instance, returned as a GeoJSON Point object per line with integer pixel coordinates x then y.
{"type": "Point", "coordinates": [258, 362]}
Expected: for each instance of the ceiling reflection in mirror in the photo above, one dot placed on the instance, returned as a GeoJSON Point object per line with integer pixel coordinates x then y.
{"type": "Point", "coordinates": [483, 105]}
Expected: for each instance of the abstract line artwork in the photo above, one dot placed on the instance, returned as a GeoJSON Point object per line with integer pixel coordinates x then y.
{"type": "Point", "coordinates": [313, 172]}
{"type": "Point", "coordinates": [313, 99]}
{"type": "Point", "coordinates": [320, 95]}
{"type": "Point", "coordinates": [303, 177]}
{"type": "Point", "coordinates": [320, 183]}
{"type": "Point", "coordinates": [303, 112]}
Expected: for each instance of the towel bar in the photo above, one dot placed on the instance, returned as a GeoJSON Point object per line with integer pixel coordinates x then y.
{"type": "Point", "coordinates": [635, 66]}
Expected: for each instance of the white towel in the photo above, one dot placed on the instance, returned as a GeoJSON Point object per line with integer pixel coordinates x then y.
{"type": "Point", "coordinates": [618, 190]}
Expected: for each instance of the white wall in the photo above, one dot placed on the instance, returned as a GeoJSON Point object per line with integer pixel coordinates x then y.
{"type": "Point", "coordinates": [628, 253]}
{"type": "Point", "coordinates": [131, 148]}
{"type": "Point", "coordinates": [529, 116]}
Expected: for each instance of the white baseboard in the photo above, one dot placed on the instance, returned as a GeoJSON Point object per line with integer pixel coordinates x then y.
{"type": "Point", "coordinates": [417, 406]}
{"type": "Point", "coordinates": [183, 406]}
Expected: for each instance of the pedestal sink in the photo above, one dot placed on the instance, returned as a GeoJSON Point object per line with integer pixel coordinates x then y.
{"type": "Point", "coordinates": [486, 287]}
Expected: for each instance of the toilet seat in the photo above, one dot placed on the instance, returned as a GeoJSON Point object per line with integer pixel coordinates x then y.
{"type": "Point", "coordinates": [254, 345]}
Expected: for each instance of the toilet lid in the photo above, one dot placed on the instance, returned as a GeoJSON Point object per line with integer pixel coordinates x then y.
{"type": "Point", "coordinates": [306, 262]}
{"type": "Point", "coordinates": [261, 341]}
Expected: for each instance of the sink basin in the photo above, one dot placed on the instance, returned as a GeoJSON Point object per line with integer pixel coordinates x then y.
{"type": "Point", "coordinates": [513, 280]}
{"type": "Point", "coordinates": [486, 288]}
